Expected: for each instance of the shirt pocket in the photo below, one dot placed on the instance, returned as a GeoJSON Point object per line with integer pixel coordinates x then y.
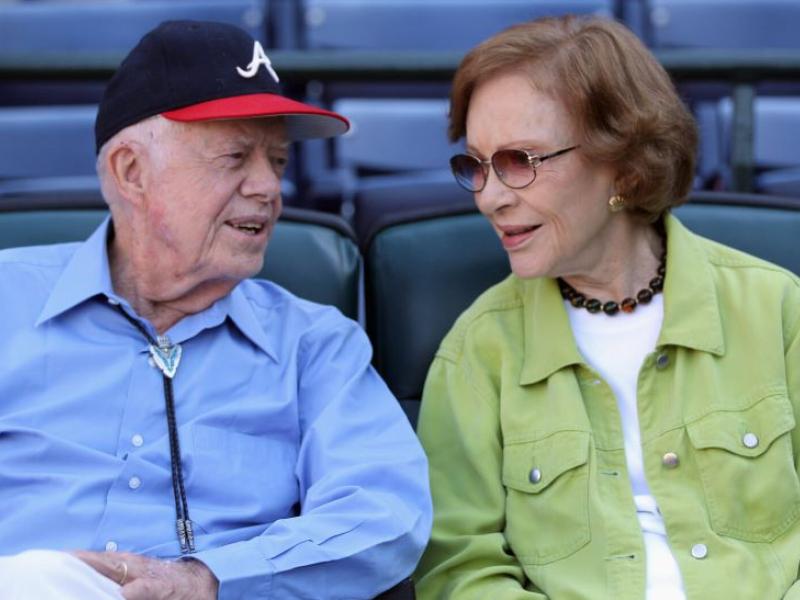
{"type": "Point", "coordinates": [547, 496]}
{"type": "Point", "coordinates": [239, 476]}
{"type": "Point", "coordinates": [746, 464]}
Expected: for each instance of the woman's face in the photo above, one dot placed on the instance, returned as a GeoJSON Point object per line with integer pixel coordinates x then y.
{"type": "Point", "coordinates": [560, 224]}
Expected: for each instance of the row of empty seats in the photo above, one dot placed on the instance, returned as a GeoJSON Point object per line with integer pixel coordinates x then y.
{"type": "Point", "coordinates": [397, 146]}
{"type": "Point", "coordinates": [421, 268]}
{"type": "Point", "coordinates": [397, 151]}
{"type": "Point", "coordinates": [54, 26]}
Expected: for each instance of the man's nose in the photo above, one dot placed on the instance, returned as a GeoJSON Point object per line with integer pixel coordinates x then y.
{"type": "Point", "coordinates": [262, 179]}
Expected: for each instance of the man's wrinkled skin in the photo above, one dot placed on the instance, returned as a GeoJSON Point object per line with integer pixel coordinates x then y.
{"type": "Point", "coordinates": [154, 579]}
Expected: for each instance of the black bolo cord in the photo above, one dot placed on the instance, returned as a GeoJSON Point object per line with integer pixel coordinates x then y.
{"type": "Point", "coordinates": [183, 523]}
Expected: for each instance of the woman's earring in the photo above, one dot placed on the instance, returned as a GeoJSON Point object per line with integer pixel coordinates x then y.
{"type": "Point", "coordinates": [616, 203]}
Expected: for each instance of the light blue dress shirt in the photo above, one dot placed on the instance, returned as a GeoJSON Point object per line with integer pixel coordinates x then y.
{"type": "Point", "coordinates": [304, 478]}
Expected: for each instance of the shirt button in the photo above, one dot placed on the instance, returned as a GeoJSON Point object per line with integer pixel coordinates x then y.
{"type": "Point", "coordinates": [535, 476]}
{"type": "Point", "coordinates": [111, 546]}
{"type": "Point", "coordinates": [670, 460]}
{"type": "Point", "coordinates": [699, 551]}
{"type": "Point", "coordinates": [750, 440]}
{"type": "Point", "coordinates": [137, 440]}
{"type": "Point", "coordinates": [134, 483]}
{"type": "Point", "coordinates": [662, 360]}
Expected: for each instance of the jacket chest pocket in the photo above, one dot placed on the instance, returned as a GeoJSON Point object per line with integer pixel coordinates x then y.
{"type": "Point", "coordinates": [547, 496]}
{"type": "Point", "coordinates": [746, 464]}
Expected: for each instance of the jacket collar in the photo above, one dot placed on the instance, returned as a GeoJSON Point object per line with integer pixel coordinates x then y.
{"type": "Point", "coordinates": [691, 313]}
{"type": "Point", "coordinates": [691, 309]}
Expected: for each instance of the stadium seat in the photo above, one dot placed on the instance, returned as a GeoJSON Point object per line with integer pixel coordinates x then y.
{"type": "Point", "coordinates": [776, 143]}
{"type": "Point", "coordinates": [761, 225]}
{"type": "Point", "coordinates": [329, 272]}
{"type": "Point", "coordinates": [426, 24]}
{"type": "Point", "coordinates": [392, 142]}
{"type": "Point", "coordinates": [48, 149]}
{"type": "Point", "coordinates": [752, 24]}
{"type": "Point", "coordinates": [94, 32]}
{"type": "Point", "coordinates": [389, 135]}
{"type": "Point", "coordinates": [423, 269]}
{"type": "Point", "coordinates": [379, 199]}
{"type": "Point", "coordinates": [85, 27]}
{"type": "Point", "coordinates": [402, 116]}
{"type": "Point", "coordinates": [38, 143]}
{"type": "Point", "coordinates": [397, 148]}
{"type": "Point", "coordinates": [421, 272]}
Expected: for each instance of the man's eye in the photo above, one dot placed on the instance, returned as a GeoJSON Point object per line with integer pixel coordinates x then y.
{"type": "Point", "coordinates": [280, 161]}
{"type": "Point", "coordinates": [237, 156]}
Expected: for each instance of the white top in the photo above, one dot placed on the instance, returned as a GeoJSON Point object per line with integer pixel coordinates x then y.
{"type": "Point", "coordinates": [616, 347]}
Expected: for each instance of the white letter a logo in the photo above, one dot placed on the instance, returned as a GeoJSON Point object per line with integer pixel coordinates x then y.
{"type": "Point", "coordinates": [259, 58]}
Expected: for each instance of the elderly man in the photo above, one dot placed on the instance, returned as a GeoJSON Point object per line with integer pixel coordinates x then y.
{"type": "Point", "coordinates": [168, 427]}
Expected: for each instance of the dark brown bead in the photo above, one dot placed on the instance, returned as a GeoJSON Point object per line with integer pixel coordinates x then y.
{"type": "Point", "coordinates": [628, 305]}
{"type": "Point", "coordinates": [611, 308]}
{"type": "Point", "coordinates": [593, 305]}
{"type": "Point", "coordinates": [578, 300]}
{"type": "Point", "coordinates": [662, 270]}
{"type": "Point", "coordinates": [657, 284]}
{"type": "Point", "coordinates": [644, 296]}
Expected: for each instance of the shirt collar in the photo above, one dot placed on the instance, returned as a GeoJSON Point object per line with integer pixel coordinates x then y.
{"type": "Point", "coordinates": [240, 310]}
{"type": "Point", "coordinates": [691, 313]}
{"type": "Point", "coordinates": [86, 275]}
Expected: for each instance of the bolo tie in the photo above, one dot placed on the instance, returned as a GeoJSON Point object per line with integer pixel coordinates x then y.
{"type": "Point", "coordinates": [166, 357]}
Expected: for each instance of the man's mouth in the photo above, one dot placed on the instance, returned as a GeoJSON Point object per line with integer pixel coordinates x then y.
{"type": "Point", "coordinates": [247, 227]}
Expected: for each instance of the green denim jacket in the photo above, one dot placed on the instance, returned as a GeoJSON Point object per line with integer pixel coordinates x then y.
{"type": "Point", "coordinates": [509, 392]}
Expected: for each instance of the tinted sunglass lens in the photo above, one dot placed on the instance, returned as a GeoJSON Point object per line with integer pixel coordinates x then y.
{"type": "Point", "coordinates": [513, 168]}
{"type": "Point", "coordinates": [467, 171]}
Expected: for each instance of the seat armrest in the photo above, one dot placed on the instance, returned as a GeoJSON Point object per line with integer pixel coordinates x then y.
{"type": "Point", "coordinates": [402, 591]}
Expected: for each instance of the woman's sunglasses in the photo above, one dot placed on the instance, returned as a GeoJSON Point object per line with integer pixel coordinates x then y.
{"type": "Point", "coordinates": [515, 168]}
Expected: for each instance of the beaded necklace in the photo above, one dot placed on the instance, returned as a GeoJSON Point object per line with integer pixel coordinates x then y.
{"type": "Point", "coordinates": [627, 305]}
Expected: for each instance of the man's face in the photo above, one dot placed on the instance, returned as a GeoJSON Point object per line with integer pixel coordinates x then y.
{"type": "Point", "coordinates": [211, 199]}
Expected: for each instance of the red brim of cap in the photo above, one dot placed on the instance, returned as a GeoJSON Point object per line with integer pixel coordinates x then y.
{"type": "Point", "coordinates": [303, 121]}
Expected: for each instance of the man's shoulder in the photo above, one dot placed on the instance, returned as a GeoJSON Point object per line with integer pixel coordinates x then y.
{"type": "Point", "coordinates": [270, 300]}
{"type": "Point", "coordinates": [40, 264]}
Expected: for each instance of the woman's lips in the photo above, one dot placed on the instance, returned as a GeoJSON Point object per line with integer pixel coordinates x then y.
{"type": "Point", "coordinates": [514, 237]}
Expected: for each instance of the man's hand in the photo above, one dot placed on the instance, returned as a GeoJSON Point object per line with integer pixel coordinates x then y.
{"type": "Point", "coordinates": [144, 578]}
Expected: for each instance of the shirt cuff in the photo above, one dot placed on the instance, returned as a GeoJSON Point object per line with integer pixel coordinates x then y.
{"type": "Point", "coordinates": [243, 572]}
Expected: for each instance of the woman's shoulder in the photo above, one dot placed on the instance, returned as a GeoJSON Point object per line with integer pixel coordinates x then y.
{"type": "Point", "coordinates": [488, 316]}
{"type": "Point", "coordinates": [748, 285]}
{"type": "Point", "coordinates": [749, 269]}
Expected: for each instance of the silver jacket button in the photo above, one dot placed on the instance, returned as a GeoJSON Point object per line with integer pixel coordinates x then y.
{"type": "Point", "coordinates": [750, 440]}
{"type": "Point", "coordinates": [535, 476]}
{"type": "Point", "coordinates": [670, 460]}
{"type": "Point", "coordinates": [699, 551]}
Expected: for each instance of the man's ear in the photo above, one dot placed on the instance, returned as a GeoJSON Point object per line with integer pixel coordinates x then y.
{"type": "Point", "coordinates": [125, 164]}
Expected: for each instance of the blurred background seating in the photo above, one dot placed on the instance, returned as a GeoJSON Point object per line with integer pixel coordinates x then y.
{"type": "Point", "coordinates": [396, 156]}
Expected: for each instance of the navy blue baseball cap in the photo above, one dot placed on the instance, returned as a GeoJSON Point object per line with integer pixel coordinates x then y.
{"type": "Point", "coordinates": [204, 71]}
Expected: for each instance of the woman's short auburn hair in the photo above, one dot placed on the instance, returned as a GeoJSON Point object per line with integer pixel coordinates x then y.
{"type": "Point", "coordinates": [626, 110]}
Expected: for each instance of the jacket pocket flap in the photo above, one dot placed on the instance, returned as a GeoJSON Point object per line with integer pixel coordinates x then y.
{"type": "Point", "coordinates": [531, 466]}
{"type": "Point", "coordinates": [748, 432]}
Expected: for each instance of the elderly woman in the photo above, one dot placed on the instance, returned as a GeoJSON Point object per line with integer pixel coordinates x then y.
{"type": "Point", "coordinates": [617, 419]}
